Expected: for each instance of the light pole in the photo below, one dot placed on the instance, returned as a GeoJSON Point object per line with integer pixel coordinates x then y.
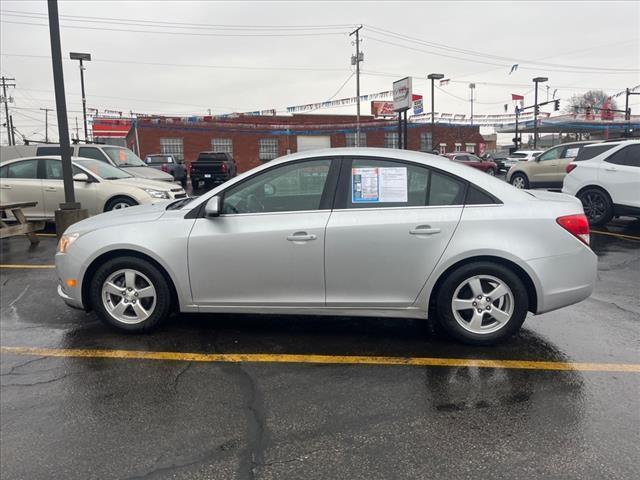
{"type": "Point", "coordinates": [472, 87]}
{"type": "Point", "coordinates": [433, 77]}
{"type": "Point", "coordinates": [82, 57]}
{"type": "Point", "coordinates": [536, 81]}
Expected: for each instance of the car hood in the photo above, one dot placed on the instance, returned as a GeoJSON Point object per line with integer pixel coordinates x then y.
{"type": "Point", "coordinates": [137, 214]}
{"type": "Point", "coordinates": [145, 183]}
{"type": "Point", "coordinates": [148, 172]}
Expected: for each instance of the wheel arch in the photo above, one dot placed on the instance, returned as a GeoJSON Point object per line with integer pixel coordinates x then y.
{"type": "Point", "coordinates": [532, 292]}
{"type": "Point", "coordinates": [101, 259]}
{"type": "Point", "coordinates": [595, 186]}
{"type": "Point", "coordinates": [117, 196]}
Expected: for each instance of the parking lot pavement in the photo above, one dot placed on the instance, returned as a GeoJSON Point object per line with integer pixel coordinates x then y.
{"type": "Point", "coordinates": [68, 413]}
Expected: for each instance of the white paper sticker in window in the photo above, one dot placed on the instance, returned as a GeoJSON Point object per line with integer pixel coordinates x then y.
{"type": "Point", "coordinates": [572, 152]}
{"type": "Point", "coordinates": [393, 184]}
{"type": "Point", "coordinates": [364, 185]}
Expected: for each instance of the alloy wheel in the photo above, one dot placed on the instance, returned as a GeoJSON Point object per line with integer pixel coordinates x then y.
{"type": "Point", "coordinates": [119, 205]}
{"type": "Point", "coordinates": [129, 296]}
{"type": "Point", "coordinates": [595, 205]}
{"type": "Point", "coordinates": [518, 182]}
{"type": "Point", "coordinates": [482, 304]}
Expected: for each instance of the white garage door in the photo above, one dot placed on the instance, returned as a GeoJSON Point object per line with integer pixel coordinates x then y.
{"type": "Point", "coordinates": [313, 142]}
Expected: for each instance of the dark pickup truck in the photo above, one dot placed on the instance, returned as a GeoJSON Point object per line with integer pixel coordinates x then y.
{"type": "Point", "coordinates": [211, 169]}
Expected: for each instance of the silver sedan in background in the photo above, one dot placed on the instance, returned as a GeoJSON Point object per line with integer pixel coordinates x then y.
{"type": "Point", "coordinates": [352, 231]}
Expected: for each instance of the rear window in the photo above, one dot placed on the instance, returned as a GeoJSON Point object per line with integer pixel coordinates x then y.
{"type": "Point", "coordinates": [590, 152]}
{"type": "Point", "coordinates": [213, 156]}
{"type": "Point", "coordinates": [160, 159]}
{"type": "Point", "coordinates": [50, 151]}
{"type": "Point", "coordinates": [475, 196]}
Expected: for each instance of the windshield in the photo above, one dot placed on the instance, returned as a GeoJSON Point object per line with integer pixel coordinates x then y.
{"type": "Point", "coordinates": [102, 169]}
{"type": "Point", "coordinates": [123, 157]}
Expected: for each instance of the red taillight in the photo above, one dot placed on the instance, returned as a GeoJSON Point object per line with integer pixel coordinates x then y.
{"type": "Point", "coordinates": [570, 167]}
{"type": "Point", "coordinates": [189, 167]}
{"type": "Point", "coordinates": [576, 225]}
{"type": "Point", "coordinates": [224, 168]}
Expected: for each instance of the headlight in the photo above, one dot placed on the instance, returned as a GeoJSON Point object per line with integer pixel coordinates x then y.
{"type": "Point", "coordinates": [156, 193]}
{"type": "Point", "coordinates": [66, 241]}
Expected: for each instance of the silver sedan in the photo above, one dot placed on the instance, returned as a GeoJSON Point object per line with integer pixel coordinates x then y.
{"type": "Point", "coordinates": [354, 231]}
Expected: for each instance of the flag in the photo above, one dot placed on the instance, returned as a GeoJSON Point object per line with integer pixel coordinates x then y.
{"type": "Point", "coordinates": [445, 81]}
{"type": "Point", "coordinates": [514, 67]}
{"type": "Point", "coordinates": [516, 97]}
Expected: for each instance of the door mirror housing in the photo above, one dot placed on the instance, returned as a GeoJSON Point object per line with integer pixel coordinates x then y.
{"type": "Point", "coordinates": [213, 207]}
{"type": "Point", "coordinates": [81, 177]}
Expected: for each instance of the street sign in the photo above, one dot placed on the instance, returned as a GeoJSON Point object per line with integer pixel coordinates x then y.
{"type": "Point", "coordinates": [402, 98]}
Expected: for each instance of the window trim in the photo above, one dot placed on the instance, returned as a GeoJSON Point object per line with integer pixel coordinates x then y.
{"type": "Point", "coordinates": [20, 160]}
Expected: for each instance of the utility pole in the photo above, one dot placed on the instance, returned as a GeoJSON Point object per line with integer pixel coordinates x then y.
{"type": "Point", "coordinates": [13, 131]}
{"type": "Point", "coordinates": [472, 86]}
{"type": "Point", "coordinates": [82, 57]}
{"type": "Point", "coordinates": [357, 59]}
{"type": "Point", "coordinates": [46, 123]}
{"type": "Point", "coordinates": [5, 100]}
{"type": "Point", "coordinates": [536, 81]}
{"type": "Point", "coordinates": [433, 77]}
{"type": "Point", "coordinates": [77, 130]}
{"type": "Point", "coordinates": [70, 211]}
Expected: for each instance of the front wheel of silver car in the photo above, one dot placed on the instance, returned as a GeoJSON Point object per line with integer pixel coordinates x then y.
{"type": "Point", "coordinates": [130, 294]}
{"type": "Point", "coordinates": [482, 303]}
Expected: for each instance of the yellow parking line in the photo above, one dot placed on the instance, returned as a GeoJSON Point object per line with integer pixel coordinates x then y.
{"type": "Point", "coordinates": [18, 265]}
{"type": "Point", "coordinates": [626, 237]}
{"type": "Point", "coordinates": [322, 359]}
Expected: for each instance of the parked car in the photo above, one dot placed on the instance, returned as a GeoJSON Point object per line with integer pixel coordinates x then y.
{"type": "Point", "coordinates": [211, 169]}
{"type": "Point", "coordinates": [119, 157]}
{"type": "Point", "coordinates": [472, 160]}
{"type": "Point", "coordinates": [521, 156]}
{"type": "Point", "coordinates": [168, 164]}
{"type": "Point", "coordinates": [500, 162]}
{"type": "Point", "coordinates": [547, 170]}
{"type": "Point", "coordinates": [343, 231]}
{"type": "Point", "coordinates": [606, 179]}
{"type": "Point", "coordinates": [98, 186]}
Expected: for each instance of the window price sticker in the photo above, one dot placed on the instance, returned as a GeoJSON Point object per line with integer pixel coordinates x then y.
{"type": "Point", "coordinates": [379, 185]}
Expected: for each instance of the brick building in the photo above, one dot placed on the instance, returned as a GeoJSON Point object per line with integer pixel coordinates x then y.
{"type": "Point", "coordinates": [252, 140]}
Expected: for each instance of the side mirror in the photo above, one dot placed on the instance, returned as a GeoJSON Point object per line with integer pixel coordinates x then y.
{"type": "Point", "coordinates": [212, 208]}
{"type": "Point", "coordinates": [81, 177]}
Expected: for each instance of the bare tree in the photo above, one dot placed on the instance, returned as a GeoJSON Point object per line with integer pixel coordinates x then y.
{"type": "Point", "coordinates": [594, 99]}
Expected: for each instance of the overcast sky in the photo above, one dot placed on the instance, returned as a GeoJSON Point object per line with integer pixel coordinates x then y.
{"type": "Point", "coordinates": [586, 39]}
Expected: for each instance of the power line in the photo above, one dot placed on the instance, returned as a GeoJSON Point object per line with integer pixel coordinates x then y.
{"type": "Point", "coordinates": [408, 38]}
{"type": "Point", "coordinates": [189, 34]}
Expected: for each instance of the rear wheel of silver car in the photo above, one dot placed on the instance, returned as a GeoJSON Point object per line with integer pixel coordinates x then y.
{"type": "Point", "coordinates": [482, 303]}
{"type": "Point", "coordinates": [130, 294]}
{"type": "Point", "coordinates": [597, 206]}
{"type": "Point", "coordinates": [520, 180]}
{"type": "Point", "coordinates": [119, 202]}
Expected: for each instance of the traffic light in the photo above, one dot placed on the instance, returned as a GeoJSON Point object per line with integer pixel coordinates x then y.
{"type": "Point", "coordinates": [556, 105]}
{"type": "Point", "coordinates": [537, 108]}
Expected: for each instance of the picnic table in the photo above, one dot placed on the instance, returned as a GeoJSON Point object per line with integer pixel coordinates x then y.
{"type": "Point", "coordinates": [24, 226]}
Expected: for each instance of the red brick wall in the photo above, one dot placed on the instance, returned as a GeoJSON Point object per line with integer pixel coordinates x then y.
{"type": "Point", "coordinates": [246, 142]}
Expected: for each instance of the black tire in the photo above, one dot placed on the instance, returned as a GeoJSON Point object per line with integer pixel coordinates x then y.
{"type": "Point", "coordinates": [491, 172]}
{"type": "Point", "coordinates": [162, 307]}
{"type": "Point", "coordinates": [183, 182]}
{"type": "Point", "coordinates": [597, 206]}
{"type": "Point", "coordinates": [444, 297]}
{"type": "Point", "coordinates": [522, 177]}
{"type": "Point", "coordinates": [119, 202]}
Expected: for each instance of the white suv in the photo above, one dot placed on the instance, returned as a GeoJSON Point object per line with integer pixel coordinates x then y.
{"type": "Point", "coordinates": [606, 178]}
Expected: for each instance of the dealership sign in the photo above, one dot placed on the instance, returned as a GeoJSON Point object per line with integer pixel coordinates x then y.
{"type": "Point", "coordinates": [418, 108]}
{"type": "Point", "coordinates": [382, 109]}
{"type": "Point", "coordinates": [402, 99]}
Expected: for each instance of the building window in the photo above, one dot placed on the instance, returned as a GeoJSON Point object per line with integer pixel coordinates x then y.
{"type": "Point", "coordinates": [222, 145]}
{"type": "Point", "coordinates": [172, 146]}
{"type": "Point", "coordinates": [458, 147]}
{"type": "Point", "coordinates": [268, 149]}
{"type": "Point", "coordinates": [351, 139]}
{"type": "Point", "coordinates": [470, 147]}
{"type": "Point", "coordinates": [391, 140]}
{"type": "Point", "coordinates": [443, 148]}
{"type": "Point", "coordinates": [425, 142]}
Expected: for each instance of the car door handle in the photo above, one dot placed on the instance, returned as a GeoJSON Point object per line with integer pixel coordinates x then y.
{"type": "Point", "coordinates": [424, 230]}
{"type": "Point", "coordinates": [5, 187]}
{"type": "Point", "coordinates": [50, 189]}
{"type": "Point", "coordinates": [611, 169]}
{"type": "Point", "coordinates": [301, 237]}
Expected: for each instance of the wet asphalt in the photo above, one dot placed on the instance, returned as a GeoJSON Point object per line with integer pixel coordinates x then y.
{"type": "Point", "coordinates": [90, 418]}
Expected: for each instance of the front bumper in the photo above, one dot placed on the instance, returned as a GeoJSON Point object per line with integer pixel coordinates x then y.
{"type": "Point", "coordinates": [66, 268]}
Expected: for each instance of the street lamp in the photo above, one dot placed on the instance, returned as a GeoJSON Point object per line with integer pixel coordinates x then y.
{"type": "Point", "coordinates": [433, 77]}
{"type": "Point", "coordinates": [82, 57]}
{"type": "Point", "coordinates": [536, 81]}
{"type": "Point", "coordinates": [472, 86]}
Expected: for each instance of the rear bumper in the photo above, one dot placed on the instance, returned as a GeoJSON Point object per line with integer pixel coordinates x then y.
{"type": "Point", "coordinates": [565, 279]}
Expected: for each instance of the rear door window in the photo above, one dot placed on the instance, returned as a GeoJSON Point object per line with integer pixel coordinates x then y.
{"type": "Point", "coordinates": [22, 169]}
{"type": "Point", "coordinates": [590, 152]}
{"type": "Point", "coordinates": [628, 156]}
{"type": "Point", "coordinates": [91, 152]}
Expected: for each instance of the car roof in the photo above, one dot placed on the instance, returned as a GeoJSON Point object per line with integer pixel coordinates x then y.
{"type": "Point", "coordinates": [616, 142]}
